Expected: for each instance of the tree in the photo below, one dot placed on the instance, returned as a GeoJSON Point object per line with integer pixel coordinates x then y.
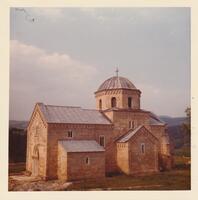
{"type": "Point", "coordinates": [186, 127]}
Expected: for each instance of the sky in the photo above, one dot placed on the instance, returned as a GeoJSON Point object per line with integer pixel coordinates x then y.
{"type": "Point", "coordinates": [65, 54]}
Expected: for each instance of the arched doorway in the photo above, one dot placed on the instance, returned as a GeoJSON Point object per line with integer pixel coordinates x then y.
{"type": "Point", "coordinates": [35, 161]}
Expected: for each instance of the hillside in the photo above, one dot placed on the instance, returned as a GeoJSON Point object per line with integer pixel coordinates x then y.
{"type": "Point", "coordinates": [179, 138]}
{"type": "Point", "coordinates": [18, 124]}
{"type": "Point", "coordinates": [173, 121]}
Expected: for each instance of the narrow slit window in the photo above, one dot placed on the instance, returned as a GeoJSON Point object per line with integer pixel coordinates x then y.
{"type": "Point", "coordinates": [129, 102]}
{"type": "Point", "coordinates": [87, 160]}
{"type": "Point", "coordinates": [102, 141]}
{"type": "Point", "coordinates": [143, 148]}
{"type": "Point", "coordinates": [36, 131]}
{"type": "Point", "coordinates": [100, 104]}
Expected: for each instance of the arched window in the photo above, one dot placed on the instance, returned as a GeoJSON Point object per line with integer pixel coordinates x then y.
{"type": "Point", "coordinates": [70, 134]}
{"type": "Point", "coordinates": [113, 102]}
{"type": "Point", "coordinates": [129, 102]}
{"type": "Point", "coordinates": [100, 104]}
{"type": "Point", "coordinates": [142, 148]}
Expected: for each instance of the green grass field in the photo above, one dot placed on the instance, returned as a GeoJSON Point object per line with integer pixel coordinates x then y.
{"type": "Point", "coordinates": [176, 179]}
{"type": "Point", "coordinates": [171, 180]}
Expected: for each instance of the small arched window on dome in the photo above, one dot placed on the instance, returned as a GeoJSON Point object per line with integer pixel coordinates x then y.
{"type": "Point", "coordinates": [129, 102]}
{"type": "Point", "coordinates": [113, 102]}
{"type": "Point", "coordinates": [100, 104]}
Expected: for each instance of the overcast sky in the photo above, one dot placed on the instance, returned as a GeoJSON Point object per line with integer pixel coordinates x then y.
{"type": "Point", "coordinates": [65, 54]}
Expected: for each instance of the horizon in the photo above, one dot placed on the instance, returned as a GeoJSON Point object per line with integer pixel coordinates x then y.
{"type": "Point", "coordinates": [64, 54]}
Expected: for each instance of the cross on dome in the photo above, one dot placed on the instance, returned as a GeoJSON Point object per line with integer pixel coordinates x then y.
{"type": "Point", "coordinates": [117, 72]}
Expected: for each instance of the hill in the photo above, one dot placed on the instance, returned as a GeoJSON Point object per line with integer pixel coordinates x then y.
{"type": "Point", "coordinates": [18, 124]}
{"type": "Point", "coordinates": [179, 138]}
{"type": "Point", "coordinates": [173, 121]}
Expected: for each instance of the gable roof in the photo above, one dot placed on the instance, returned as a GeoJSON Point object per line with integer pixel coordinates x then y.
{"type": "Point", "coordinates": [74, 115]}
{"type": "Point", "coordinates": [130, 134]}
{"type": "Point", "coordinates": [81, 146]}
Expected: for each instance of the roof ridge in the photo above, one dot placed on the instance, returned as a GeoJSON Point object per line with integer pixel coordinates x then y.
{"type": "Point", "coordinates": [130, 132]}
{"type": "Point", "coordinates": [90, 109]}
{"type": "Point", "coordinates": [62, 106]}
{"type": "Point", "coordinates": [78, 140]}
{"type": "Point", "coordinates": [154, 116]}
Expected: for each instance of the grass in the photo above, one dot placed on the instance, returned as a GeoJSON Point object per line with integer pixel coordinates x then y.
{"type": "Point", "coordinates": [169, 180]}
{"type": "Point", "coordinates": [183, 151]}
{"type": "Point", "coordinates": [176, 179]}
{"type": "Point", "coordinates": [182, 162]}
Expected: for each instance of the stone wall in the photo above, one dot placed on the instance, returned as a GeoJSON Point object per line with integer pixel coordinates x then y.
{"type": "Point", "coordinates": [78, 169]}
{"type": "Point", "coordinates": [62, 163]}
{"type": "Point", "coordinates": [147, 161]}
{"type": "Point", "coordinates": [121, 96]}
{"type": "Point", "coordinates": [166, 162]}
{"type": "Point", "coordinates": [157, 130]}
{"type": "Point", "coordinates": [37, 143]}
{"type": "Point", "coordinates": [80, 132]}
{"type": "Point", "coordinates": [121, 118]}
{"type": "Point", "coordinates": [123, 157]}
{"type": "Point", "coordinates": [130, 157]}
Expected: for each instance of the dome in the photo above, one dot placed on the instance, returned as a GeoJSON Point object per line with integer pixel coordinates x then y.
{"type": "Point", "coordinates": [116, 82]}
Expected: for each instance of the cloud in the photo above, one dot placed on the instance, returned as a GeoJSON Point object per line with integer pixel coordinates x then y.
{"type": "Point", "coordinates": [97, 14]}
{"type": "Point", "coordinates": [163, 101]}
{"type": "Point", "coordinates": [53, 14]}
{"type": "Point", "coordinates": [37, 75]}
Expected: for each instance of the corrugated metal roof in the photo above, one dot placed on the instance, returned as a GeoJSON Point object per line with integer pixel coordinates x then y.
{"type": "Point", "coordinates": [81, 146]}
{"type": "Point", "coordinates": [116, 82]}
{"type": "Point", "coordinates": [130, 134]}
{"type": "Point", "coordinates": [68, 114]}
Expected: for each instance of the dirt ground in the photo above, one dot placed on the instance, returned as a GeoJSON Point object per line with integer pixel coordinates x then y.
{"type": "Point", "coordinates": [22, 182]}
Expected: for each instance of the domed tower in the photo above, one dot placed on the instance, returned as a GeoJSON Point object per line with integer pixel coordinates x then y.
{"type": "Point", "coordinates": [117, 92]}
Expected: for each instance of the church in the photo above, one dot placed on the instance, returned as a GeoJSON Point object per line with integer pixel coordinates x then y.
{"type": "Point", "coordinates": [72, 143]}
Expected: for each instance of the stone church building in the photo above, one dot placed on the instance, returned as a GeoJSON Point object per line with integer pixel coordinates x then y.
{"type": "Point", "coordinates": [72, 143]}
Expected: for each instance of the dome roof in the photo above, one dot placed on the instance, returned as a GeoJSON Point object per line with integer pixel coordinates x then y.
{"type": "Point", "coordinates": [116, 82]}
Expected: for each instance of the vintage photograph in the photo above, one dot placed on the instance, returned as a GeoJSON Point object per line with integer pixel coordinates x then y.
{"type": "Point", "coordinates": [99, 99]}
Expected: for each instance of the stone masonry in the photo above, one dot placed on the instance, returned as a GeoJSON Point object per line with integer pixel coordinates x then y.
{"type": "Point", "coordinates": [133, 140]}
